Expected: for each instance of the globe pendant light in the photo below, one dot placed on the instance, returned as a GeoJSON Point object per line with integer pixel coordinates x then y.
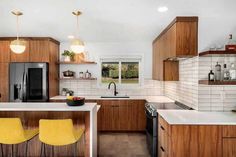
{"type": "Point", "coordinates": [17, 46]}
{"type": "Point", "coordinates": [77, 45]}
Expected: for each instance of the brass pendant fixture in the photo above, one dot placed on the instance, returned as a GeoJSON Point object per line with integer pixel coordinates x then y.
{"type": "Point", "coordinates": [77, 45]}
{"type": "Point", "coordinates": [17, 46]}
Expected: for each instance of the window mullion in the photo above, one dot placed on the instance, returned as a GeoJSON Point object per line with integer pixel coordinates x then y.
{"type": "Point", "coordinates": [119, 72]}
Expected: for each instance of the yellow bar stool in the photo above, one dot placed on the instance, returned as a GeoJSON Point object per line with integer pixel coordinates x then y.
{"type": "Point", "coordinates": [58, 133]}
{"type": "Point", "coordinates": [12, 133]}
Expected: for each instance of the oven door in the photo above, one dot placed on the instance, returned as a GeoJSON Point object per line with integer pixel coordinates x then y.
{"type": "Point", "coordinates": [151, 132]}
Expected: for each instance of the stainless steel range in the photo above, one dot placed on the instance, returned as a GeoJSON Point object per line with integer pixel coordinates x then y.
{"type": "Point", "coordinates": [152, 122]}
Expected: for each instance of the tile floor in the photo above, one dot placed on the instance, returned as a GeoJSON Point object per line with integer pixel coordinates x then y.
{"type": "Point", "coordinates": [123, 145]}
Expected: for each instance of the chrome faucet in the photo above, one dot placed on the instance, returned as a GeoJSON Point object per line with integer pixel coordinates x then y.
{"type": "Point", "coordinates": [115, 92]}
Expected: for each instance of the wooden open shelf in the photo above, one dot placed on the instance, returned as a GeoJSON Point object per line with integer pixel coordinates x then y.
{"type": "Point", "coordinates": [87, 62]}
{"type": "Point", "coordinates": [206, 82]}
{"type": "Point", "coordinates": [219, 53]}
{"type": "Point", "coordinates": [78, 78]}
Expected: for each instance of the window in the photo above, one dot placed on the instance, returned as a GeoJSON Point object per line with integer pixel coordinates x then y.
{"type": "Point", "coordinates": [121, 71]}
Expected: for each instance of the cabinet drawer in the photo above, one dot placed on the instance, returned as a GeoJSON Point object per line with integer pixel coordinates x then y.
{"type": "Point", "coordinates": [229, 131]}
{"type": "Point", "coordinates": [163, 125]}
{"type": "Point", "coordinates": [163, 137]}
{"type": "Point", "coordinates": [162, 152]}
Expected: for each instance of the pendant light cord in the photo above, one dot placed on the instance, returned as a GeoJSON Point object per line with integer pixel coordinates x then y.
{"type": "Point", "coordinates": [17, 27]}
{"type": "Point", "coordinates": [77, 34]}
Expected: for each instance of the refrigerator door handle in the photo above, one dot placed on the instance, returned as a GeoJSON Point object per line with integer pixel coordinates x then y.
{"type": "Point", "coordinates": [22, 87]}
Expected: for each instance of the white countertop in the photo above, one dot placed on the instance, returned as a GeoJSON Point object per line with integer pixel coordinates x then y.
{"type": "Point", "coordinates": [46, 107]}
{"type": "Point", "coordinates": [154, 99]}
{"type": "Point", "coordinates": [192, 117]}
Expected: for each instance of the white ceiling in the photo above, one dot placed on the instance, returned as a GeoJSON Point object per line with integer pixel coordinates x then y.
{"type": "Point", "coordinates": [108, 20]}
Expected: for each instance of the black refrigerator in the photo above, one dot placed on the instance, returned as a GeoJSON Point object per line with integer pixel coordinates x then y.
{"type": "Point", "coordinates": [28, 82]}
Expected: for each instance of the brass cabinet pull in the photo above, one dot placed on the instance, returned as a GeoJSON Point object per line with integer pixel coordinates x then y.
{"type": "Point", "coordinates": [162, 127]}
{"type": "Point", "coordinates": [162, 149]}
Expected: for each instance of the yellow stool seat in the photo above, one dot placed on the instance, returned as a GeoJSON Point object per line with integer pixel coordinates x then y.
{"type": "Point", "coordinates": [58, 132]}
{"type": "Point", "coordinates": [12, 132]}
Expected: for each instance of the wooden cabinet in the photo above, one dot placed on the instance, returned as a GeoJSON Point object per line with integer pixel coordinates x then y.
{"type": "Point", "coordinates": [23, 57]}
{"type": "Point", "coordinates": [4, 51]}
{"type": "Point", "coordinates": [229, 147]}
{"type": "Point", "coordinates": [121, 115]}
{"type": "Point", "coordinates": [179, 39]}
{"type": "Point", "coordinates": [190, 140]}
{"type": "Point", "coordinates": [4, 82]}
{"type": "Point", "coordinates": [39, 51]}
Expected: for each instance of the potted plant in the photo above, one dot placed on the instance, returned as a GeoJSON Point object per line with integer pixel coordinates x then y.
{"type": "Point", "coordinates": [68, 55]}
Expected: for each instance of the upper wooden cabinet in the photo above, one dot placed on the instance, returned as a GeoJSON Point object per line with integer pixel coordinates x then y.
{"type": "Point", "coordinates": [4, 82]}
{"type": "Point", "coordinates": [178, 40]}
{"type": "Point", "coordinates": [4, 51]}
{"type": "Point", "coordinates": [39, 51]}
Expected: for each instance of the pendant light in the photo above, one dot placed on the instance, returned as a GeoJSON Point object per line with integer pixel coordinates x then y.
{"type": "Point", "coordinates": [77, 45]}
{"type": "Point", "coordinates": [17, 46]}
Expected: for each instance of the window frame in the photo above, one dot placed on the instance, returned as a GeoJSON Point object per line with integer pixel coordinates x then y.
{"type": "Point", "coordinates": [120, 59]}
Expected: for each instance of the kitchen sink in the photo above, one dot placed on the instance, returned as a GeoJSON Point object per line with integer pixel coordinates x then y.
{"type": "Point", "coordinates": [118, 96]}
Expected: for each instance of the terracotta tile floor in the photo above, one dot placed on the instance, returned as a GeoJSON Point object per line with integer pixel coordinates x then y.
{"type": "Point", "coordinates": [123, 145]}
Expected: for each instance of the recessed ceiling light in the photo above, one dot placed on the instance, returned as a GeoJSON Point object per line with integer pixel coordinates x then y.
{"type": "Point", "coordinates": [162, 9]}
{"type": "Point", "coordinates": [70, 37]}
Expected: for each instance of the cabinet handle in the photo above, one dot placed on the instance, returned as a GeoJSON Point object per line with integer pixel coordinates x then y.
{"type": "Point", "coordinates": [162, 127]}
{"type": "Point", "coordinates": [0, 95]}
{"type": "Point", "coordinates": [162, 149]}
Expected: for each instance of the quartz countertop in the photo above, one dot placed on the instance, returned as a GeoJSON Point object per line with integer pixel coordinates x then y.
{"type": "Point", "coordinates": [193, 117]}
{"type": "Point", "coordinates": [46, 107]}
{"type": "Point", "coordinates": [153, 99]}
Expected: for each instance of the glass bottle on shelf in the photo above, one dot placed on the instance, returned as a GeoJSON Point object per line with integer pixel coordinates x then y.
{"type": "Point", "coordinates": [211, 76]}
{"type": "Point", "coordinates": [232, 72]}
{"type": "Point", "coordinates": [226, 74]}
{"type": "Point", "coordinates": [231, 44]}
{"type": "Point", "coordinates": [218, 72]}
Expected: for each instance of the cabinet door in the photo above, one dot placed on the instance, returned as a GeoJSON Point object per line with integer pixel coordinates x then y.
{"type": "Point", "coordinates": [125, 115]}
{"type": "Point", "coordinates": [229, 147]}
{"type": "Point", "coordinates": [39, 51]}
{"type": "Point", "coordinates": [115, 115]}
{"type": "Point", "coordinates": [4, 51]}
{"type": "Point", "coordinates": [171, 71]}
{"type": "Point", "coordinates": [24, 57]}
{"type": "Point", "coordinates": [106, 116]}
{"type": "Point", "coordinates": [4, 81]}
{"type": "Point", "coordinates": [141, 115]}
{"type": "Point", "coordinates": [210, 141]}
{"type": "Point", "coordinates": [53, 70]}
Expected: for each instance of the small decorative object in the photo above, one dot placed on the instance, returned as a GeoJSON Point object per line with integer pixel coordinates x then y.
{"type": "Point", "coordinates": [68, 56]}
{"type": "Point", "coordinates": [218, 72]}
{"type": "Point", "coordinates": [70, 93]}
{"type": "Point", "coordinates": [80, 58]}
{"type": "Point", "coordinates": [211, 76]}
{"type": "Point", "coordinates": [231, 45]}
{"type": "Point", "coordinates": [75, 101]}
{"type": "Point", "coordinates": [87, 75]}
{"type": "Point", "coordinates": [69, 74]}
{"type": "Point", "coordinates": [64, 91]}
{"type": "Point", "coordinates": [81, 74]}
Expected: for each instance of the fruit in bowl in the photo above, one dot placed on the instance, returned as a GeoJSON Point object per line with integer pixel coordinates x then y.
{"type": "Point", "coordinates": [75, 101]}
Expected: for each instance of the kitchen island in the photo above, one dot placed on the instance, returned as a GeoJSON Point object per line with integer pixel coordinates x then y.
{"type": "Point", "coordinates": [30, 113]}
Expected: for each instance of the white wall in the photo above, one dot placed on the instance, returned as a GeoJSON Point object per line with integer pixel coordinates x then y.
{"type": "Point", "coordinates": [97, 49]}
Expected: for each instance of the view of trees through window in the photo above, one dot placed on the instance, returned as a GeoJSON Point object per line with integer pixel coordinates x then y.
{"type": "Point", "coordinates": [124, 72]}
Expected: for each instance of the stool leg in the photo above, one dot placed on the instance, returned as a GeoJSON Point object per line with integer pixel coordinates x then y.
{"type": "Point", "coordinates": [2, 150]}
{"type": "Point", "coordinates": [26, 148]}
{"type": "Point", "coordinates": [41, 150]}
{"type": "Point", "coordinates": [44, 149]}
{"type": "Point", "coordinates": [75, 149]}
{"type": "Point", "coordinates": [12, 150]}
{"type": "Point", "coordinates": [52, 149]}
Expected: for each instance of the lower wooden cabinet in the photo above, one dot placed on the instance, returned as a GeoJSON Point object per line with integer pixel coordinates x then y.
{"type": "Point", "coordinates": [4, 82]}
{"type": "Point", "coordinates": [193, 141]}
{"type": "Point", "coordinates": [121, 115]}
{"type": "Point", "coordinates": [229, 147]}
